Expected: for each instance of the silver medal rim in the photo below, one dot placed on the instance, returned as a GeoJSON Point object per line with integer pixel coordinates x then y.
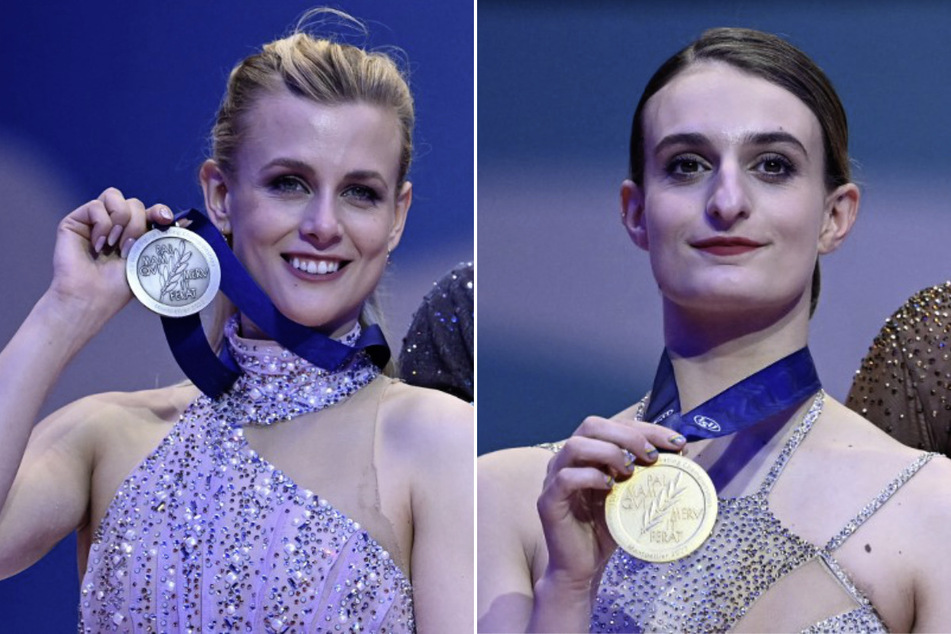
{"type": "Point", "coordinates": [214, 272]}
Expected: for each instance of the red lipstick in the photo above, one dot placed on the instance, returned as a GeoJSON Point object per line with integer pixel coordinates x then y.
{"type": "Point", "coordinates": [726, 246]}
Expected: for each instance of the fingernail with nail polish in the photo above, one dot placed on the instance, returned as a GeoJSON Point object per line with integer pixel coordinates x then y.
{"type": "Point", "coordinates": [678, 439]}
{"type": "Point", "coordinates": [166, 213]}
{"type": "Point", "coordinates": [114, 235]}
{"type": "Point", "coordinates": [651, 450]}
{"type": "Point", "coordinates": [126, 246]}
{"type": "Point", "coordinates": [628, 460]}
{"type": "Point", "coordinates": [100, 242]}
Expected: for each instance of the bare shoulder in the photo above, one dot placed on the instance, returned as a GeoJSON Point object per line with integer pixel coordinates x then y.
{"type": "Point", "coordinates": [412, 415]}
{"type": "Point", "coordinates": [512, 552]}
{"type": "Point", "coordinates": [114, 431]}
{"type": "Point", "coordinates": [867, 458]}
{"type": "Point", "coordinates": [109, 412]}
{"type": "Point", "coordinates": [164, 402]}
{"type": "Point", "coordinates": [926, 497]}
{"type": "Point", "coordinates": [922, 505]}
{"type": "Point", "coordinates": [509, 483]}
{"type": "Point", "coordinates": [858, 439]}
{"type": "Point", "coordinates": [74, 462]}
{"type": "Point", "coordinates": [424, 404]}
{"type": "Point", "coordinates": [519, 467]}
{"type": "Point", "coordinates": [936, 487]}
{"type": "Point", "coordinates": [427, 430]}
{"type": "Point", "coordinates": [917, 526]}
{"type": "Point", "coordinates": [96, 416]}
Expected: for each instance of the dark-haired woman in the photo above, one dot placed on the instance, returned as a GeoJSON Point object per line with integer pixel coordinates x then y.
{"type": "Point", "coordinates": [739, 181]}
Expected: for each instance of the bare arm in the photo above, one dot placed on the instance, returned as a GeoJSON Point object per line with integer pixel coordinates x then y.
{"type": "Point", "coordinates": [510, 536]}
{"type": "Point", "coordinates": [576, 541]}
{"type": "Point", "coordinates": [443, 517]}
{"type": "Point", "coordinates": [932, 560]}
{"type": "Point", "coordinates": [50, 495]}
{"type": "Point", "coordinates": [29, 367]}
{"type": "Point", "coordinates": [88, 288]}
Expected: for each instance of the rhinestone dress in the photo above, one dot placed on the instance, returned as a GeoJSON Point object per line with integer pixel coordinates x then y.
{"type": "Point", "coordinates": [437, 349]}
{"type": "Point", "coordinates": [748, 551]}
{"type": "Point", "coordinates": [207, 536]}
{"type": "Point", "coordinates": [904, 383]}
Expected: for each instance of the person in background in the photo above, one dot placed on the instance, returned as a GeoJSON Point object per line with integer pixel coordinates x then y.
{"type": "Point", "coordinates": [904, 382]}
{"type": "Point", "coordinates": [437, 348]}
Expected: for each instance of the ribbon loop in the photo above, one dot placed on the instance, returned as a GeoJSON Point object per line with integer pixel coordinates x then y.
{"type": "Point", "coordinates": [215, 374]}
{"type": "Point", "coordinates": [776, 388]}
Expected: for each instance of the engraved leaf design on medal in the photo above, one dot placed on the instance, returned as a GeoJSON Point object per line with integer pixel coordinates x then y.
{"type": "Point", "coordinates": [657, 511]}
{"type": "Point", "coordinates": [174, 271]}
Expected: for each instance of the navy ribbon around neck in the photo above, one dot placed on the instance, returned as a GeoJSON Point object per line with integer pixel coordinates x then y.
{"type": "Point", "coordinates": [215, 374]}
{"type": "Point", "coordinates": [776, 388]}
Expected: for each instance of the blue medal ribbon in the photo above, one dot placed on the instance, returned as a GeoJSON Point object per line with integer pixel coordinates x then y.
{"type": "Point", "coordinates": [778, 387]}
{"type": "Point", "coordinates": [215, 374]}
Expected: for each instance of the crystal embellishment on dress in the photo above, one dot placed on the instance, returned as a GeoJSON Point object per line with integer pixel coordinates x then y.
{"type": "Point", "coordinates": [904, 383]}
{"type": "Point", "coordinates": [205, 535]}
{"type": "Point", "coordinates": [278, 385]}
{"type": "Point", "coordinates": [749, 550]}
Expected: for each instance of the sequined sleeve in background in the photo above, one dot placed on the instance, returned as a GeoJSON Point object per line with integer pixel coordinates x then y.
{"type": "Point", "coordinates": [437, 349]}
{"type": "Point", "coordinates": [904, 382]}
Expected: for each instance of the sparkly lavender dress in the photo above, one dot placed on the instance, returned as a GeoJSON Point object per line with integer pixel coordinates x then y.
{"type": "Point", "coordinates": [207, 536]}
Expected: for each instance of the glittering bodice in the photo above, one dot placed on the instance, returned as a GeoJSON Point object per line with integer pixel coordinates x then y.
{"type": "Point", "coordinates": [207, 536]}
{"type": "Point", "coordinates": [749, 551]}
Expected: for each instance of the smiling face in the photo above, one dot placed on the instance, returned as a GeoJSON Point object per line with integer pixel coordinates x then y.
{"type": "Point", "coordinates": [313, 205]}
{"type": "Point", "coordinates": [733, 208]}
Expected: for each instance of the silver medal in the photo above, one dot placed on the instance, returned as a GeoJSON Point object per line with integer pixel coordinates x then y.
{"type": "Point", "coordinates": [174, 272]}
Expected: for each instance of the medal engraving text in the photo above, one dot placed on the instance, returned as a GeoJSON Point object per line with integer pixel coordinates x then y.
{"type": "Point", "coordinates": [173, 272]}
{"type": "Point", "coordinates": [662, 512]}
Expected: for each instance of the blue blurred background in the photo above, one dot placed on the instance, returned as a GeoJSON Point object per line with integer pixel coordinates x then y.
{"type": "Point", "coordinates": [569, 315]}
{"type": "Point", "coordinates": [116, 93]}
{"type": "Point", "coordinates": [99, 94]}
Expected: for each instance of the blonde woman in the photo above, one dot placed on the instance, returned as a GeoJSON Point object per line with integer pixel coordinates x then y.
{"type": "Point", "coordinates": [257, 510]}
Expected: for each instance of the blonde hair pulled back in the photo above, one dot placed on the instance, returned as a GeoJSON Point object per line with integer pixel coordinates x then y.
{"type": "Point", "coordinates": [330, 72]}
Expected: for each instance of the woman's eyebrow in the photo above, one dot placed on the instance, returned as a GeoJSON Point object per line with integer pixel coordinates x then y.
{"type": "Point", "coordinates": [365, 175]}
{"type": "Point", "coordinates": [303, 166]}
{"type": "Point", "coordinates": [771, 138]}
{"type": "Point", "coordinates": [289, 163]}
{"type": "Point", "coordinates": [682, 138]}
{"type": "Point", "coordinates": [753, 138]}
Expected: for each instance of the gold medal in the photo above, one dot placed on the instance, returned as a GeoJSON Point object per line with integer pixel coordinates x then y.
{"type": "Point", "coordinates": [662, 512]}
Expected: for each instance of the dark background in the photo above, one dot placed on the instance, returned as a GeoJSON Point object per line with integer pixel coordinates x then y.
{"type": "Point", "coordinates": [569, 315]}
{"type": "Point", "coordinates": [98, 94]}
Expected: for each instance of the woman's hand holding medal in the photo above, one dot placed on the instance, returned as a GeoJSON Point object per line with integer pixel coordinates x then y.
{"type": "Point", "coordinates": [571, 505]}
{"type": "Point", "coordinates": [91, 244]}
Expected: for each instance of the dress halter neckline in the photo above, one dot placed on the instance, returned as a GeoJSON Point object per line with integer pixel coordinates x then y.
{"type": "Point", "coordinates": [277, 385]}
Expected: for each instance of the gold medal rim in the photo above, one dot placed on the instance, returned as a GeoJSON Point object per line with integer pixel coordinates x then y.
{"type": "Point", "coordinates": [211, 258]}
{"type": "Point", "coordinates": [677, 551]}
